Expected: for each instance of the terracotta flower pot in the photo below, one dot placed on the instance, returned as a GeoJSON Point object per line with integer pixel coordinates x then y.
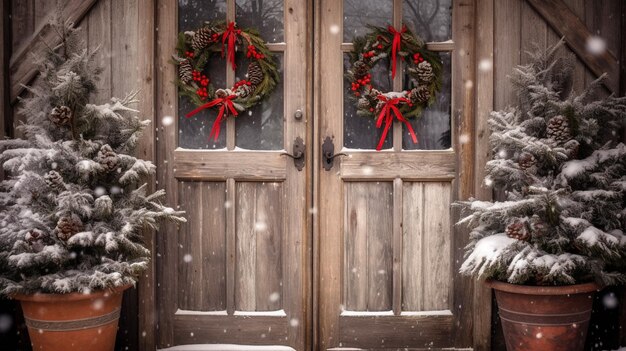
{"type": "Point", "coordinates": [544, 317]}
{"type": "Point", "coordinates": [76, 321]}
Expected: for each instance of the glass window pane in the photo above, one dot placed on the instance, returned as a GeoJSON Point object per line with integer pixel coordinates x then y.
{"type": "Point", "coordinates": [261, 127]}
{"type": "Point", "coordinates": [193, 13]}
{"type": "Point", "coordinates": [193, 133]}
{"type": "Point", "coordinates": [431, 19]}
{"type": "Point", "coordinates": [358, 14]}
{"type": "Point", "coordinates": [433, 126]}
{"type": "Point", "coordinates": [360, 132]}
{"type": "Point", "coordinates": [264, 15]}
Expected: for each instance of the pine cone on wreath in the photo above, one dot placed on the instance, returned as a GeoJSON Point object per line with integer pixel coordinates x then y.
{"type": "Point", "coordinates": [255, 73]}
{"type": "Point", "coordinates": [360, 69]}
{"type": "Point", "coordinates": [201, 39]}
{"type": "Point", "coordinates": [54, 180]}
{"type": "Point", "coordinates": [243, 91]}
{"type": "Point", "coordinates": [526, 160]}
{"type": "Point", "coordinates": [518, 229]}
{"type": "Point", "coordinates": [425, 72]}
{"type": "Point", "coordinates": [60, 115]}
{"type": "Point", "coordinates": [363, 104]}
{"type": "Point", "coordinates": [420, 94]}
{"type": "Point", "coordinates": [558, 129]}
{"type": "Point", "coordinates": [184, 71]}
{"type": "Point", "coordinates": [107, 157]}
{"type": "Point", "coordinates": [68, 226]}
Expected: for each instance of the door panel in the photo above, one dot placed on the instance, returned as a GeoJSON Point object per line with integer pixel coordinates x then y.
{"type": "Point", "coordinates": [236, 272]}
{"type": "Point", "coordinates": [386, 249]}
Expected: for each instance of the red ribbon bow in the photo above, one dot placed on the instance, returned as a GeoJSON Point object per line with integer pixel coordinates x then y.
{"type": "Point", "coordinates": [385, 114]}
{"type": "Point", "coordinates": [395, 47]}
{"type": "Point", "coordinates": [226, 106]}
{"type": "Point", "coordinates": [230, 34]}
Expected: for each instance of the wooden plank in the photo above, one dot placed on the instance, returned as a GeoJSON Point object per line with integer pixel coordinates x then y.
{"type": "Point", "coordinates": [567, 24]}
{"type": "Point", "coordinates": [390, 332]}
{"type": "Point", "coordinates": [166, 104]}
{"type": "Point", "coordinates": [260, 330]}
{"type": "Point", "coordinates": [484, 105]}
{"type": "Point", "coordinates": [379, 245]}
{"type": "Point", "coordinates": [217, 165]}
{"type": "Point", "coordinates": [533, 33]}
{"type": "Point", "coordinates": [269, 236]}
{"type": "Point", "coordinates": [99, 21]}
{"type": "Point", "coordinates": [356, 270]}
{"type": "Point", "coordinates": [398, 211]}
{"type": "Point", "coordinates": [436, 250]}
{"type": "Point", "coordinates": [506, 50]}
{"type": "Point", "coordinates": [21, 67]}
{"type": "Point", "coordinates": [42, 9]}
{"type": "Point", "coordinates": [191, 279]}
{"type": "Point", "coordinates": [418, 165]}
{"type": "Point", "coordinates": [213, 245]}
{"type": "Point", "coordinates": [5, 52]}
{"type": "Point", "coordinates": [463, 95]}
{"type": "Point", "coordinates": [22, 21]}
{"type": "Point", "coordinates": [245, 281]}
{"type": "Point", "coordinates": [231, 244]}
{"type": "Point", "coordinates": [412, 246]}
{"type": "Point", "coordinates": [398, 128]}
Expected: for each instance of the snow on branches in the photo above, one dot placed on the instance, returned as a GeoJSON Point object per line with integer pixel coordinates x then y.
{"type": "Point", "coordinates": [73, 205]}
{"type": "Point", "coordinates": [559, 173]}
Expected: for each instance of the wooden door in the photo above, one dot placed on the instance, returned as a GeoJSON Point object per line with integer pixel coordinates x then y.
{"type": "Point", "coordinates": [387, 255]}
{"type": "Point", "coordinates": [237, 271]}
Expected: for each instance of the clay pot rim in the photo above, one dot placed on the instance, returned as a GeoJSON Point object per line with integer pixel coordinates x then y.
{"type": "Point", "coordinates": [74, 296]}
{"type": "Point", "coordinates": [543, 290]}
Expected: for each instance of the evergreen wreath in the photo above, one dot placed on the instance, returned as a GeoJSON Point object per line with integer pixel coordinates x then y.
{"type": "Point", "coordinates": [195, 48]}
{"type": "Point", "coordinates": [423, 70]}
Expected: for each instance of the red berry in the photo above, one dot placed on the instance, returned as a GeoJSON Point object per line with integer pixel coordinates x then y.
{"type": "Point", "coordinates": [371, 109]}
{"type": "Point", "coordinates": [357, 94]}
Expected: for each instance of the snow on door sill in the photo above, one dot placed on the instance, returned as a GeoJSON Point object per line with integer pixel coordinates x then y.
{"type": "Point", "coordinates": [228, 347]}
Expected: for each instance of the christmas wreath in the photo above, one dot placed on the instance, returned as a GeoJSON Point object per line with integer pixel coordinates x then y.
{"type": "Point", "coordinates": [423, 70]}
{"type": "Point", "coordinates": [195, 48]}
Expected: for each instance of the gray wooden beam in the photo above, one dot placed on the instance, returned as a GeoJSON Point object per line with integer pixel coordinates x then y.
{"type": "Point", "coordinates": [565, 22]}
{"type": "Point", "coordinates": [22, 69]}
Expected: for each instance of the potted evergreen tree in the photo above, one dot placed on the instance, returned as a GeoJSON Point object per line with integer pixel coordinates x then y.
{"type": "Point", "coordinates": [557, 235]}
{"type": "Point", "coordinates": [73, 206]}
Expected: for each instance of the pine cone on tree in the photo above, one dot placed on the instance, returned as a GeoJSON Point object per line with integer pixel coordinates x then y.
{"type": "Point", "coordinates": [558, 129]}
{"type": "Point", "coordinates": [185, 71]}
{"type": "Point", "coordinates": [420, 94]}
{"type": "Point", "coordinates": [54, 180]}
{"type": "Point", "coordinates": [255, 73]}
{"type": "Point", "coordinates": [107, 157]}
{"type": "Point", "coordinates": [201, 39]}
{"type": "Point", "coordinates": [425, 72]}
{"type": "Point", "coordinates": [526, 160]}
{"type": "Point", "coordinates": [518, 229]}
{"type": "Point", "coordinates": [60, 115]}
{"type": "Point", "coordinates": [68, 226]}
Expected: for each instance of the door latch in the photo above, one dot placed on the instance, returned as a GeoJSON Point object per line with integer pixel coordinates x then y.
{"type": "Point", "coordinates": [328, 154]}
{"type": "Point", "coordinates": [298, 154]}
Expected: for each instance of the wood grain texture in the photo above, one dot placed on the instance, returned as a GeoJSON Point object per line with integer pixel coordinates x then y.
{"type": "Point", "coordinates": [217, 165]}
{"type": "Point", "coordinates": [419, 165]}
{"type": "Point", "coordinates": [356, 270]}
{"type": "Point", "coordinates": [398, 254]}
{"type": "Point", "coordinates": [99, 21]}
{"type": "Point", "coordinates": [423, 332]}
{"type": "Point", "coordinates": [259, 330]}
{"type": "Point", "coordinates": [412, 246]}
{"type": "Point", "coordinates": [559, 16]}
{"type": "Point", "coordinates": [380, 246]}
{"type": "Point", "coordinates": [190, 279]}
{"type": "Point", "coordinates": [213, 245]}
{"type": "Point", "coordinates": [245, 281]}
{"type": "Point", "coordinates": [21, 67]}
{"type": "Point", "coordinates": [485, 86]}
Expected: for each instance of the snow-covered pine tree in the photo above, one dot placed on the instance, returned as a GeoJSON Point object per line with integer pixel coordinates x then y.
{"type": "Point", "coordinates": [560, 171]}
{"type": "Point", "coordinates": [72, 206]}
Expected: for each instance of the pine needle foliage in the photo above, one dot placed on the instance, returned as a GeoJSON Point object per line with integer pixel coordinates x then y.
{"type": "Point", "coordinates": [560, 170]}
{"type": "Point", "coordinates": [73, 203]}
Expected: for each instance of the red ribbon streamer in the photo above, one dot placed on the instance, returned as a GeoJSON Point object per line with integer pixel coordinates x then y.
{"type": "Point", "coordinates": [395, 47]}
{"type": "Point", "coordinates": [230, 34]}
{"type": "Point", "coordinates": [226, 106]}
{"type": "Point", "coordinates": [385, 114]}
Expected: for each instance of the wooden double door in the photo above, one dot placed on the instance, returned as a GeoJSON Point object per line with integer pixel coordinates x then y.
{"type": "Point", "coordinates": [357, 255]}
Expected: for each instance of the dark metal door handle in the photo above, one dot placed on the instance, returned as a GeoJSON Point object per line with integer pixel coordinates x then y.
{"type": "Point", "coordinates": [298, 154]}
{"type": "Point", "coordinates": [328, 154]}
